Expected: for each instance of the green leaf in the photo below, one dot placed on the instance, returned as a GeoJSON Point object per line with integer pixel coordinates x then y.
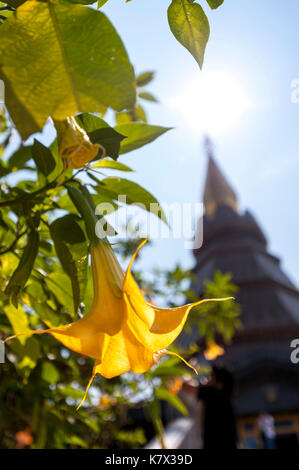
{"type": "Point", "coordinates": [147, 96]}
{"type": "Point", "coordinates": [112, 164]}
{"type": "Point", "coordinates": [101, 3]}
{"type": "Point", "coordinates": [73, 261]}
{"type": "Point", "coordinates": [163, 394]}
{"type": "Point", "coordinates": [84, 204]}
{"type": "Point", "coordinates": [105, 198]}
{"type": "Point", "coordinates": [134, 193]}
{"type": "Point", "coordinates": [18, 320]}
{"type": "Point", "coordinates": [15, 3]}
{"type": "Point", "coordinates": [77, 441]}
{"type": "Point", "coordinates": [138, 134]}
{"type": "Point", "coordinates": [38, 302]}
{"type": "Point", "coordinates": [69, 267]}
{"type": "Point", "coordinates": [49, 372]}
{"type": "Point", "coordinates": [70, 392]}
{"type": "Point", "coordinates": [24, 268]}
{"type": "Point", "coordinates": [67, 228]}
{"type": "Point", "coordinates": [168, 371]}
{"type": "Point", "coordinates": [43, 158]}
{"type": "Point", "coordinates": [140, 113]}
{"type": "Point", "coordinates": [144, 78]}
{"type": "Point", "coordinates": [215, 3]}
{"type": "Point", "coordinates": [122, 118]}
{"type": "Point", "coordinates": [56, 60]}
{"type": "Point", "coordinates": [100, 132]}
{"type": "Point", "coordinates": [190, 26]}
{"type": "Point", "coordinates": [60, 285]}
{"type": "Point", "coordinates": [172, 366]}
{"type": "Point", "coordinates": [28, 353]}
{"type": "Point", "coordinates": [20, 157]}
{"type": "Point", "coordinates": [154, 409]}
{"type": "Point", "coordinates": [88, 296]}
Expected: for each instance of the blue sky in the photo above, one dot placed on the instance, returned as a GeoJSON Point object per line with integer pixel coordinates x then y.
{"type": "Point", "coordinates": [257, 42]}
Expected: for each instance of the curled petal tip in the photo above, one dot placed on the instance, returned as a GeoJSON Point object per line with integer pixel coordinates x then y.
{"type": "Point", "coordinates": [86, 391]}
{"type": "Point", "coordinates": [133, 258]}
{"type": "Point", "coordinates": [171, 353]}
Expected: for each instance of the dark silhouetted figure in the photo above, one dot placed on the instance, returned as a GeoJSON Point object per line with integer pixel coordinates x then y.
{"type": "Point", "coordinates": [217, 414]}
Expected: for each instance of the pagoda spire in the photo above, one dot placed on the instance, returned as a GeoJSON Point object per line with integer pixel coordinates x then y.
{"type": "Point", "coordinates": [217, 190]}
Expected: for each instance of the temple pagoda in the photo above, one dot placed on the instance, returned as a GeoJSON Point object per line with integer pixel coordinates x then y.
{"type": "Point", "coordinates": [260, 353]}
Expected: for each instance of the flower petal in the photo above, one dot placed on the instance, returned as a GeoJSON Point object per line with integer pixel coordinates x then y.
{"type": "Point", "coordinates": [167, 325]}
{"type": "Point", "coordinates": [140, 357]}
{"type": "Point", "coordinates": [171, 353]}
{"type": "Point", "coordinates": [78, 336]}
{"type": "Point", "coordinates": [74, 145]}
{"type": "Point", "coordinates": [115, 360]}
{"type": "Point", "coordinates": [124, 353]}
{"type": "Point", "coordinates": [87, 388]}
{"type": "Point", "coordinates": [134, 297]}
{"type": "Point", "coordinates": [107, 311]}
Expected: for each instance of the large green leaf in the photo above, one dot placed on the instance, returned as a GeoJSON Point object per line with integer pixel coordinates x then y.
{"type": "Point", "coordinates": [100, 132]}
{"type": "Point", "coordinates": [190, 27]}
{"type": "Point", "coordinates": [135, 194]}
{"type": "Point", "coordinates": [138, 134]}
{"type": "Point", "coordinates": [215, 3]}
{"type": "Point", "coordinates": [57, 59]}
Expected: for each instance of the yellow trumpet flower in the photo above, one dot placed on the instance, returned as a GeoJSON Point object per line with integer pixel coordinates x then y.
{"type": "Point", "coordinates": [121, 331]}
{"type": "Point", "coordinates": [213, 351]}
{"type": "Point", "coordinates": [74, 146]}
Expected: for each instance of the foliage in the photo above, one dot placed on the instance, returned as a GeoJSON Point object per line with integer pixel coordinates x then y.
{"type": "Point", "coordinates": [190, 26]}
{"type": "Point", "coordinates": [221, 317]}
{"type": "Point", "coordinates": [62, 61]}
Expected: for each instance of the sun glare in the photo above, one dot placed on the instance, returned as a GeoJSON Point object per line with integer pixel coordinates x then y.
{"type": "Point", "coordinates": [214, 102]}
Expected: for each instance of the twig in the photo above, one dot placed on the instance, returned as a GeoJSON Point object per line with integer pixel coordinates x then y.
{"type": "Point", "coordinates": [13, 243]}
{"type": "Point", "coordinates": [29, 196]}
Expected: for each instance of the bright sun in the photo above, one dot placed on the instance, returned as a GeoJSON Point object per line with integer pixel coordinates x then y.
{"type": "Point", "coordinates": [214, 102]}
